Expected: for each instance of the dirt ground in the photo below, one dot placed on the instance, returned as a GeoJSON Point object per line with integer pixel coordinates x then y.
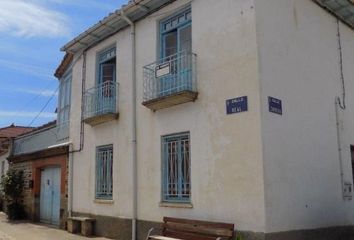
{"type": "Point", "coordinates": [23, 230]}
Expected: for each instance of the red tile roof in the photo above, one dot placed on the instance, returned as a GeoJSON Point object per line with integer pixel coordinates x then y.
{"type": "Point", "coordinates": [13, 131]}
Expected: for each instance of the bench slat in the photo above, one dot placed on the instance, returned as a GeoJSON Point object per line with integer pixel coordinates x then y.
{"type": "Point", "coordinates": [200, 223]}
{"type": "Point", "coordinates": [186, 235]}
{"type": "Point", "coordinates": [163, 238]}
{"type": "Point", "coordinates": [195, 228]}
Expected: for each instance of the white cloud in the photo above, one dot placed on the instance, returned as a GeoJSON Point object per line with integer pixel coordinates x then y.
{"type": "Point", "coordinates": [27, 68]}
{"type": "Point", "coordinates": [43, 93]}
{"type": "Point", "coordinates": [26, 114]}
{"type": "Point", "coordinates": [29, 19]}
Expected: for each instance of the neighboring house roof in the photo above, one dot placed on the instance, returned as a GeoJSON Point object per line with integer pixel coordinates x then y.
{"type": "Point", "coordinates": [114, 22]}
{"type": "Point", "coordinates": [10, 132]}
{"type": "Point", "coordinates": [343, 9]}
{"type": "Point", "coordinates": [40, 128]}
{"type": "Point", "coordinates": [65, 63]}
{"type": "Point", "coordinates": [13, 131]}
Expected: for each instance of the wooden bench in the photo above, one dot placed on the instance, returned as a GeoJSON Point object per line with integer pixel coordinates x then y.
{"type": "Point", "coordinates": [81, 224]}
{"type": "Point", "coordinates": [184, 229]}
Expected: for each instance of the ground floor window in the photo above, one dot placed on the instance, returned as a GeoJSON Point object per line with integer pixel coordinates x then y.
{"type": "Point", "coordinates": [104, 172]}
{"type": "Point", "coordinates": [176, 185]}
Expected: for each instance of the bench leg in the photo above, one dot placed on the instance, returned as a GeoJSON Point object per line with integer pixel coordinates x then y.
{"type": "Point", "coordinates": [73, 226]}
{"type": "Point", "coordinates": [87, 228]}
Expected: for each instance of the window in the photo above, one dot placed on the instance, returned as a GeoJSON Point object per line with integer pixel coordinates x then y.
{"type": "Point", "coordinates": [176, 33]}
{"type": "Point", "coordinates": [106, 66]}
{"type": "Point", "coordinates": [104, 172]}
{"type": "Point", "coordinates": [64, 99]}
{"type": "Point", "coordinates": [176, 168]}
{"type": "Point", "coordinates": [175, 49]}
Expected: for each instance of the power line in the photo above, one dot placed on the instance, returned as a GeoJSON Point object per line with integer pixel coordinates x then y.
{"type": "Point", "coordinates": [37, 96]}
{"type": "Point", "coordinates": [44, 107]}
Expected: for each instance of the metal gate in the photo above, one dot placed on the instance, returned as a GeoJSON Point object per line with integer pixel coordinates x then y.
{"type": "Point", "coordinates": [50, 196]}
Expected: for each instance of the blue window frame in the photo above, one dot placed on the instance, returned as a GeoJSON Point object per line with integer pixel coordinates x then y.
{"type": "Point", "coordinates": [104, 172]}
{"type": "Point", "coordinates": [64, 100]}
{"type": "Point", "coordinates": [176, 162]}
{"type": "Point", "coordinates": [175, 47]}
{"type": "Point", "coordinates": [106, 66]}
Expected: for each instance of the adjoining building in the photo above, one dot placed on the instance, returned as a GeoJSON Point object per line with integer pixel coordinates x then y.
{"type": "Point", "coordinates": [6, 134]}
{"type": "Point", "coordinates": [42, 155]}
{"type": "Point", "coordinates": [236, 111]}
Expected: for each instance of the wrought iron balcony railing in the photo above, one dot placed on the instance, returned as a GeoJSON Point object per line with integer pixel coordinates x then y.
{"type": "Point", "coordinates": [170, 81]}
{"type": "Point", "coordinates": [100, 103]}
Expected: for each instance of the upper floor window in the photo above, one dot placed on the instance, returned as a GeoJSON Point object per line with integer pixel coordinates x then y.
{"type": "Point", "coordinates": [176, 185]}
{"type": "Point", "coordinates": [64, 99]}
{"type": "Point", "coordinates": [104, 172]}
{"type": "Point", "coordinates": [106, 66]}
{"type": "Point", "coordinates": [176, 33]}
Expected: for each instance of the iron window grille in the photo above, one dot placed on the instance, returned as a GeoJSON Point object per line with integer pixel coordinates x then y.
{"type": "Point", "coordinates": [176, 184]}
{"type": "Point", "coordinates": [104, 172]}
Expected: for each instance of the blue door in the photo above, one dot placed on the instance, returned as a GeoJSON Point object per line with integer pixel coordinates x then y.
{"type": "Point", "coordinates": [50, 196]}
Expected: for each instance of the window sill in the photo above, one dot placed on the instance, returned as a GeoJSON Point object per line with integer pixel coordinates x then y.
{"type": "Point", "coordinates": [103, 201]}
{"type": "Point", "coordinates": [175, 205]}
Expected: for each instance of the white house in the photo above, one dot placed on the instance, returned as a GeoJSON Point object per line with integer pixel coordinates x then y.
{"type": "Point", "coordinates": [237, 111]}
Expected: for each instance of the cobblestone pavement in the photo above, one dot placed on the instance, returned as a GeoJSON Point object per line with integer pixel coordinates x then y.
{"type": "Point", "coordinates": [22, 230]}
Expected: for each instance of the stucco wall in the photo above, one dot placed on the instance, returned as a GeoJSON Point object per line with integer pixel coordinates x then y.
{"type": "Point", "coordinates": [227, 170]}
{"type": "Point", "coordinates": [299, 64]}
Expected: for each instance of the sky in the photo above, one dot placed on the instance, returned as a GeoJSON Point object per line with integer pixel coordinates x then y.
{"type": "Point", "coordinates": [31, 35]}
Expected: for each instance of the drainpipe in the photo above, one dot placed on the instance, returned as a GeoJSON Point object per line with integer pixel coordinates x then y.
{"type": "Point", "coordinates": [70, 180]}
{"type": "Point", "coordinates": [134, 140]}
{"type": "Point", "coordinates": [339, 142]}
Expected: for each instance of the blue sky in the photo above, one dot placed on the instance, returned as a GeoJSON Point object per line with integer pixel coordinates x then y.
{"type": "Point", "coordinates": [31, 34]}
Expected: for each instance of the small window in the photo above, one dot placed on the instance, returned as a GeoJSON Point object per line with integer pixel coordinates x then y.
{"type": "Point", "coordinates": [176, 168]}
{"type": "Point", "coordinates": [104, 172]}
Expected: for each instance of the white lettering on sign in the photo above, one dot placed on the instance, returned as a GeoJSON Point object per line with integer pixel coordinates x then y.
{"type": "Point", "coordinates": [162, 70]}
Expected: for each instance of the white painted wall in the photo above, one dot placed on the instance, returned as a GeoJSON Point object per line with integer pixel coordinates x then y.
{"type": "Point", "coordinates": [226, 151]}
{"type": "Point", "coordinates": [226, 162]}
{"type": "Point", "coordinates": [299, 63]}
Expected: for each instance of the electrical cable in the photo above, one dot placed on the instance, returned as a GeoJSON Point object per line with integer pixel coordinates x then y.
{"type": "Point", "coordinates": [44, 107]}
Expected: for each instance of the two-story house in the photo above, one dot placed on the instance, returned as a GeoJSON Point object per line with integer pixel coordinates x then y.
{"type": "Point", "coordinates": [236, 111]}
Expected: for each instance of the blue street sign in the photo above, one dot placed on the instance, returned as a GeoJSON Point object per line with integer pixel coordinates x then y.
{"type": "Point", "coordinates": [275, 105]}
{"type": "Point", "coordinates": [237, 105]}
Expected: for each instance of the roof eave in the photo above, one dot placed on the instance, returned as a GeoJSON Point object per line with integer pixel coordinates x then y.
{"type": "Point", "coordinates": [88, 38]}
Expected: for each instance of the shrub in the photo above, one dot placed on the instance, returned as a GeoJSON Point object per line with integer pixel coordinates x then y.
{"type": "Point", "coordinates": [12, 187]}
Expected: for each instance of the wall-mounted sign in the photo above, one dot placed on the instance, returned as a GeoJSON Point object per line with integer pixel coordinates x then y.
{"type": "Point", "coordinates": [237, 105]}
{"type": "Point", "coordinates": [162, 70]}
{"type": "Point", "coordinates": [275, 105]}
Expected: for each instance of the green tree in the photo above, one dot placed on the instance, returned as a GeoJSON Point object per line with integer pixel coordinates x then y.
{"type": "Point", "coordinates": [12, 184]}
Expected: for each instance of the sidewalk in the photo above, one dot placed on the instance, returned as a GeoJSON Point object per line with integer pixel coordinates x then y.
{"type": "Point", "coordinates": [23, 230]}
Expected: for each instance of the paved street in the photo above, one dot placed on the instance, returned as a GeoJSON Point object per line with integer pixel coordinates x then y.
{"type": "Point", "coordinates": [28, 231]}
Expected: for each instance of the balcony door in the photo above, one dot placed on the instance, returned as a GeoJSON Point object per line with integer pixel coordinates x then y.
{"type": "Point", "coordinates": [176, 45]}
{"type": "Point", "coordinates": [106, 90]}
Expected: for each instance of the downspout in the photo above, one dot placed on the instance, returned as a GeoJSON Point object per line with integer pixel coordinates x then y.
{"type": "Point", "coordinates": [339, 142]}
{"type": "Point", "coordinates": [71, 146]}
{"type": "Point", "coordinates": [134, 126]}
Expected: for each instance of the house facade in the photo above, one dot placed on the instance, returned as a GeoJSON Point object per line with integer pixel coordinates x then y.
{"type": "Point", "coordinates": [234, 111]}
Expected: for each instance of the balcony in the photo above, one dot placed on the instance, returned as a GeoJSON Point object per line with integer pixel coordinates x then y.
{"type": "Point", "coordinates": [170, 81]}
{"type": "Point", "coordinates": [100, 103]}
